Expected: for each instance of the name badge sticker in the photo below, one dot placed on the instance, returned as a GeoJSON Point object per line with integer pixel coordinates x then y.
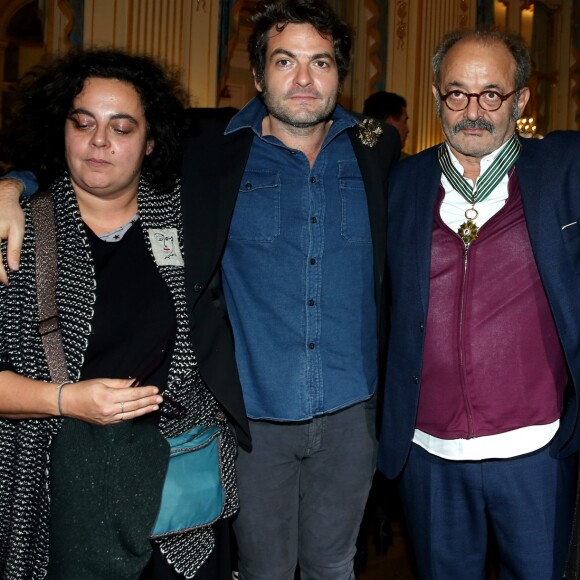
{"type": "Point", "coordinates": [165, 246]}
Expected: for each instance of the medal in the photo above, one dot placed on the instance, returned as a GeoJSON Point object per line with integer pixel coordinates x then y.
{"type": "Point", "coordinates": [501, 165]}
{"type": "Point", "coordinates": [468, 230]}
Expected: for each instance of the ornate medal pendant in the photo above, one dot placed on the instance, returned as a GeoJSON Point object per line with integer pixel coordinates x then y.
{"type": "Point", "coordinates": [468, 230]}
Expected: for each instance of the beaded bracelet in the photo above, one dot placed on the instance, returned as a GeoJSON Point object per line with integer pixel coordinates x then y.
{"type": "Point", "coordinates": [60, 395]}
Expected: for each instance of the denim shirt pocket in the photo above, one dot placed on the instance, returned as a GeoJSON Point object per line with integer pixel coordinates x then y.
{"type": "Point", "coordinates": [257, 212]}
{"type": "Point", "coordinates": [355, 225]}
{"type": "Point", "coordinates": [571, 237]}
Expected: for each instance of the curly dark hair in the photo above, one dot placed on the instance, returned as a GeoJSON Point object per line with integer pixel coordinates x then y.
{"type": "Point", "coordinates": [279, 13]}
{"type": "Point", "coordinates": [514, 43]}
{"type": "Point", "coordinates": [35, 136]}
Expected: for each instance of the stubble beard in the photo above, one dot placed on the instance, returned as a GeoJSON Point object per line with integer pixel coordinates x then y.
{"type": "Point", "coordinates": [302, 120]}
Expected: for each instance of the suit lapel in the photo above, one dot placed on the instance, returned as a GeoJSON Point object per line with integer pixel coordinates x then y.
{"type": "Point", "coordinates": [529, 174]}
{"type": "Point", "coordinates": [234, 153]}
{"type": "Point", "coordinates": [423, 199]}
{"type": "Point", "coordinates": [211, 179]}
{"type": "Point", "coordinates": [372, 170]}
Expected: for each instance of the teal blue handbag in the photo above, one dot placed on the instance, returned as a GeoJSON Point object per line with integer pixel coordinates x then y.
{"type": "Point", "coordinates": [193, 492]}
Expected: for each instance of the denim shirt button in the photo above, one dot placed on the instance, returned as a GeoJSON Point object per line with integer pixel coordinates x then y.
{"type": "Point", "coordinates": [197, 287]}
{"type": "Point", "coordinates": [313, 179]}
{"type": "Point", "coordinates": [416, 379]}
{"type": "Point", "coordinates": [311, 302]}
{"type": "Point", "coordinates": [311, 346]}
{"type": "Point", "coordinates": [312, 261]}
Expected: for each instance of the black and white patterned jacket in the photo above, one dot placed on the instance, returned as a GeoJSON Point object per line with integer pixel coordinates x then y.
{"type": "Point", "coordinates": [24, 444]}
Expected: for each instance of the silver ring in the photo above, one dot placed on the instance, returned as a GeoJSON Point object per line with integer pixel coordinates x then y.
{"type": "Point", "coordinates": [122, 410]}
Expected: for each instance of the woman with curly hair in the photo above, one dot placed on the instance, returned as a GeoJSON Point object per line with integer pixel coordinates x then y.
{"type": "Point", "coordinates": [82, 463]}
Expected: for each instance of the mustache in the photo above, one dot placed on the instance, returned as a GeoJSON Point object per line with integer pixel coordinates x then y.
{"type": "Point", "coordinates": [477, 124]}
{"type": "Point", "coordinates": [303, 91]}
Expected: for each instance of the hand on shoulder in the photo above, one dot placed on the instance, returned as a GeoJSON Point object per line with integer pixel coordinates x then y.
{"type": "Point", "coordinates": [11, 224]}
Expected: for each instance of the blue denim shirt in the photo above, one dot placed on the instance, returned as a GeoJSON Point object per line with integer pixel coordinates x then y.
{"type": "Point", "coordinates": [298, 276]}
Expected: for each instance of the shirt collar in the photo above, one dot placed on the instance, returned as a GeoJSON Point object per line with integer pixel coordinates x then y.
{"type": "Point", "coordinates": [484, 163]}
{"type": "Point", "coordinates": [252, 115]}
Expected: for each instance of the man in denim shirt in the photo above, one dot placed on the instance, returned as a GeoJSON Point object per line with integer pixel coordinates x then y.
{"type": "Point", "coordinates": [302, 283]}
{"type": "Point", "coordinates": [290, 194]}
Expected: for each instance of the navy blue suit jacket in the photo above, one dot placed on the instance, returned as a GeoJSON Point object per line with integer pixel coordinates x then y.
{"type": "Point", "coordinates": [548, 173]}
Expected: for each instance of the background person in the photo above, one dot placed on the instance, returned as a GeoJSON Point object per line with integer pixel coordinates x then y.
{"type": "Point", "coordinates": [391, 109]}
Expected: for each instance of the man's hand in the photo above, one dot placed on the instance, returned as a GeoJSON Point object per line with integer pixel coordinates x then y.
{"type": "Point", "coordinates": [11, 224]}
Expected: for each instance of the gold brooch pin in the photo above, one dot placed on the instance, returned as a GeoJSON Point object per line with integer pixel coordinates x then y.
{"type": "Point", "coordinates": [369, 132]}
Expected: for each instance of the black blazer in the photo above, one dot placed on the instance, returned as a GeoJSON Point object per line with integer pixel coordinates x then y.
{"type": "Point", "coordinates": [213, 167]}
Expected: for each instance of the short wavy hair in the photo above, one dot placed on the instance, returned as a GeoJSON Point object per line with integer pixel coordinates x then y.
{"type": "Point", "coordinates": [279, 13]}
{"type": "Point", "coordinates": [35, 136]}
{"type": "Point", "coordinates": [514, 43]}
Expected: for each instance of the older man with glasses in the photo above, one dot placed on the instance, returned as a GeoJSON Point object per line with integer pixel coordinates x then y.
{"type": "Point", "coordinates": [480, 411]}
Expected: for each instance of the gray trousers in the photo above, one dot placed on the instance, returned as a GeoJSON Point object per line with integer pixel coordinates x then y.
{"type": "Point", "coordinates": [303, 490]}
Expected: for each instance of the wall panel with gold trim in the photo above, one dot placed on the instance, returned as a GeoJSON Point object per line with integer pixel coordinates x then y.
{"type": "Point", "coordinates": [182, 33]}
{"type": "Point", "coordinates": [415, 28]}
{"type": "Point", "coordinates": [549, 28]}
